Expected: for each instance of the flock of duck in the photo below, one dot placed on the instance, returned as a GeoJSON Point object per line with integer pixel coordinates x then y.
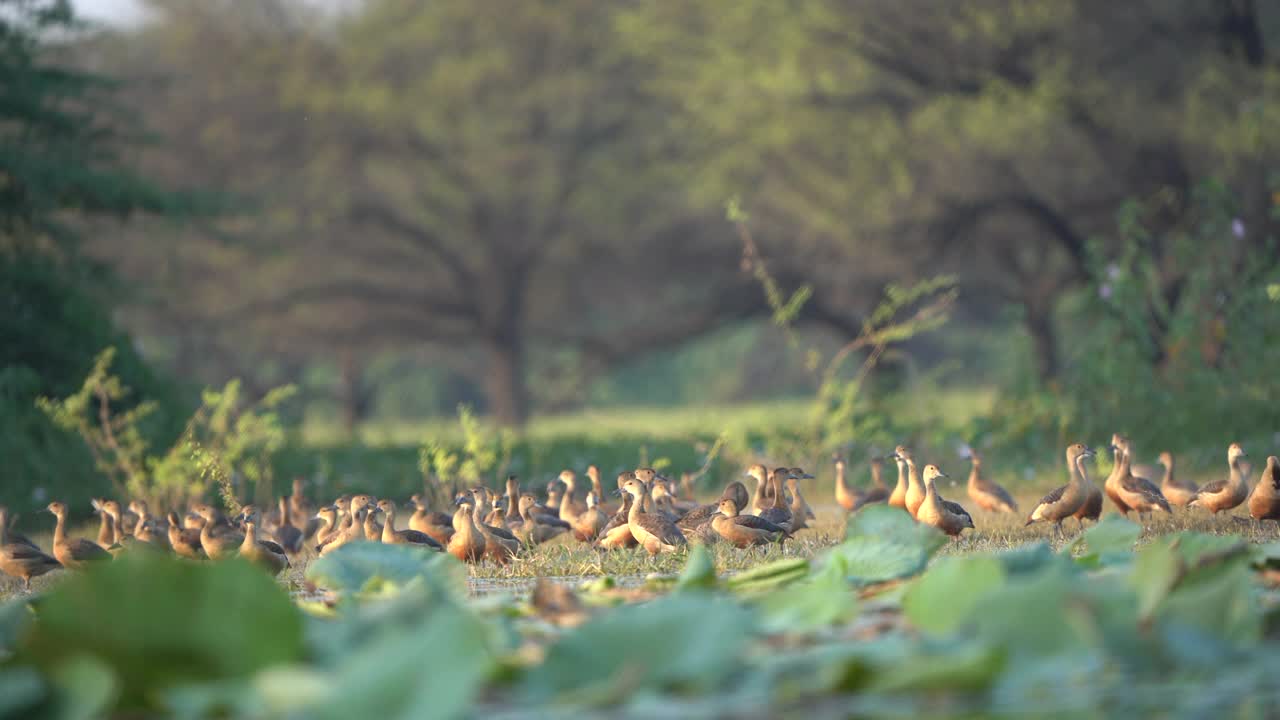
{"type": "Point", "coordinates": [485, 525]}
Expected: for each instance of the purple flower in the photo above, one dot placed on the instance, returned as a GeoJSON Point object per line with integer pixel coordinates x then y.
{"type": "Point", "coordinates": [1237, 228]}
{"type": "Point", "coordinates": [1113, 271]}
{"type": "Point", "coordinates": [1104, 291]}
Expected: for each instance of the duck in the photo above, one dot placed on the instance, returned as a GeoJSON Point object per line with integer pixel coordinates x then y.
{"type": "Point", "coordinates": [617, 534]}
{"type": "Point", "coordinates": [350, 531]}
{"type": "Point", "coordinates": [660, 499]}
{"type": "Point", "coordinates": [266, 554]}
{"type": "Point", "coordinates": [1139, 494]}
{"type": "Point", "coordinates": [436, 524]}
{"type": "Point", "coordinates": [73, 553]}
{"type": "Point", "coordinates": [759, 499]}
{"type": "Point", "coordinates": [1226, 493]}
{"type": "Point", "coordinates": [702, 514]}
{"type": "Point", "coordinates": [369, 524]}
{"type": "Point", "coordinates": [745, 530]}
{"type": "Point", "coordinates": [185, 542]}
{"type": "Point", "coordinates": [500, 545]}
{"type": "Point", "coordinates": [653, 532]}
{"type": "Point", "coordinates": [22, 559]}
{"type": "Point", "coordinates": [467, 544]}
{"type": "Point", "coordinates": [987, 494]}
{"type": "Point", "coordinates": [591, 522]}
{"type": "Point", "coordinates": [555, 495]}
{"type": "Point", "coordinates": [799, 508]}
{"type": "Point", "coordinates": [1112, 485]}
{"type": "Point", "coordinates": [949, 517]}
{"type": "Point", "coordinates": [1264, 501]}
{"type": "Point", "coordinates": [391, 536]}
{"type": "Point", "coordinates": [121, 541]}
{"type": "Point", "coordinates": [301, 512]}
{"type": "Point", "coordinates": [106, 528]}
{"type": "Point", "coordinates": [144, 529]}
{"type": "Point", "coordinates": [915, 484]}
{"type": "Point", "coordinates": [898, 498]}
{"type": "Point", "coordinates": [800, 474]}
{"type": "Point", "coordinates": [777, 511]}
{"type": "Point", "coordinates": [327, 517]}
{"type": "Point", "coordinates": [1091, 509]}
{"type": "Point", "coordinates": [513, 502]}
{"type": "Point", "coordinates": [288, 535]}
{"type": "Point", "coordinates": [570, 506]}
{"type": "Point", "coordinates": [848, 497]}
{"type": "Point", "coordinates": [1064, 501]}
{"type": "Point", "coordinates": [14, 537]}
{"type": "Point", "coordinates": [593, 474]}
{"type": "Point", "coordinates": [531, 530]}
{"type": "Point", "coordinates": [1176, 490]}
{"type": "Point", "coordinates": [216, 545]}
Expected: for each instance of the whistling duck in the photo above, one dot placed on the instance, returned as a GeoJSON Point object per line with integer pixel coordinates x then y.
{"type": "Point", "coordinates": [499, 545]}
{"type": "Point", "coordinates": [372, 528]}
{"type": "Point", "coordinates": [1176, 490]}
{"type": "Point", "coordinates": [1063, 502]}
{"type": "Point", "coordinates": [759, 499]}
{"type": "Point", "coordinates": [555, 495]}
{"type": "Point", "coordinates": [436, 524]}
{"type": "Point", "coordinates": [1112, 485]}
{"type": "Point", "coordinates": [106, 527]}
{"type": "Point", "coordinates": [301, 512]}
{"type": "Point", "coordinates": [654, 532]}
{"type": "Point", "coordinates": [467, 542]}
{"type": "Point", "coordinates": [777, 512]}
{"type": "Point", "coordinates": [21, 559]}
{"type": "Point", "coordinates": [121, 540]}
{"type": "Point", "coordinates": [1138, 493]}
{"type": "Point", "coordinates": [391, 536]}
{"type": "Point", "coordinates": [949, 517]}
{"type": "Point", "coordinates": [800, 474]}
{"type": "Point", "coordinates": [216, 545]}
{"type": "Point", "coordinates": [1264, 501]}
{"type": "Point", "coordinates": [327, 516]}
{"type": "Point", "coordinates": [144, 529]}
{"type": "Point", "coordinates": [617, 534]}
{"type": "Point", "coordinates": [985, 493]}
{"type": "Point", "coordinates": [590, 523]}
{"type": "Point", "coordinates": [744, 530]}
{"type": "Point", "coordinates": [532, 530]}
{"type": "Point", "coordinates": [570, 506]}
{"type": "Point", "coordinates": [661, 500]}
{"type": "Point", "coordinates": [288, 535]}
{"type": "Point", "coordinates": [915, 484]}
{"type": "Point", "coordinates": [702, 514]}
{"type": "Point", "coordinates": [350, 531]}
{"type": "Point", "coordinates": [798, 506]}
{"type": "Point", "coordinates": [1225, 494]}
{"type": "Point", "coordinates": [848, 497]}
{"type": "Point", "coordinates": [73, 553]}
{"type": "Point", "coordinates": [266, 554]}
{"type": "Point", "coordinates": [513, 501]}
{"type": "Point", "coordinates": [1091, 508]}
{"type": "Point", "coordinates": [897, 499]}
{"type": "Point", "coordinates": [14, 537]}
{"type": "Point", "coordinates": [184, 541]}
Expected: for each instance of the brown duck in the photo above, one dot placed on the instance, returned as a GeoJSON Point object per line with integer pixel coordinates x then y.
{"type": "Point", "coordinates": [73, 553]}
{"type": "Point", "coordinates": [184, 541]}
{"type": "Point", "coordinates": [436, 524]}
{"type": "Point", "coordinates": [1176, 490]}
{"type": "Point", "coordinates": [1264, 501]}
{"type": "Point", "coordinates": [1138, 493]}
{"type": "Point", "coordinates": [467, 543]}
{"type": "Point", "coordinates": [22, 560]}
{"type": "Point", "coordinates": [701, 515]}
{"type": "Point", "coordinates": [266, 554]}
{"type": "Point", "coordinates": [898, 498]}
{"type": "Point", "coordinates": [949, 517]}
{"type": "Point", "coordinates": [1225, 494]}
{"type": "Point", "coordinates": [391, 536]}
{"type": "Point", "coordinates": [216, 545]}
{"type": "Point", "coordinates": [799, 508]}
{"type": "Point", "coordinates": [777, 511]}
{"type": "Point", "coordinates": [745, 530]}
{"type": "Point", "coordinates": [652, 531]}
{"type": "Point", "coordinates": [915, 484]}
{"type": "Point", "coordinates": [617, 534]}
{"type": "Point", "coordinates": [1066, 500]}
{"type": "Point", "coordinates": [986, 493]}
{"type": "Point", "coordinates": [532, 530]}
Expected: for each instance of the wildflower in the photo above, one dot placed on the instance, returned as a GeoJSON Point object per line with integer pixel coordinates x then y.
{"type": "Point", "coordinates": [1113, 271]}
{"type": "Point", "coordinates": [1104, 291]}
{"type": "Point", "coordinates": [1237, 228]}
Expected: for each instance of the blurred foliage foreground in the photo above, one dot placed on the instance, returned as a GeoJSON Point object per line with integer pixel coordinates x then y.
{"type": "Point", "coordinates": [1184, 625]}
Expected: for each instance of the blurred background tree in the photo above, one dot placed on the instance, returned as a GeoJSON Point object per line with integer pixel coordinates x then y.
{"type": "Point", "coordinates": [524, 210]}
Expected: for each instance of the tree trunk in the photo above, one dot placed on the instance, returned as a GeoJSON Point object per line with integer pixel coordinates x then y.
{"type": "Point", "coordinates": [1044, 340]}
{"type": "Point", "coordinates": [505, 383]}
{"type": "Point", "coordinates": [351, 392]}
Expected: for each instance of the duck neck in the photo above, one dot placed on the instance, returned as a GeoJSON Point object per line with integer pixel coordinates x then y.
{"type": "Point", "coordinates": [974, 474]}
{"type": "Point", "coordinates": [60, 529]}
{"type": "Point", "coordinates": [389, 525]}
{"type": "Point", "coordinates": [116, 534]}
{"type": "Point", "coordinates": [1079, 475]}
{"type": "Point", "coordinates": [1237, 473]}
{"type": "Point", "coordinates": [106, 530]}
{"type": "Point", "coordinates": [913, 475]}
{"type": "Point", "coordinates": [902, 473]}
{"type": "Point", "coordinates": [636, 508]}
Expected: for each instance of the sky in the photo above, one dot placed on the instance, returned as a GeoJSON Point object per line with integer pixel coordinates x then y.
{"type": "Point", "coordinates": [111, 12]}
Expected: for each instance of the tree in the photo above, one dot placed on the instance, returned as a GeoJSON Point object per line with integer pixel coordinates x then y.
{"type": "Point", "coordinates": [995, 138]}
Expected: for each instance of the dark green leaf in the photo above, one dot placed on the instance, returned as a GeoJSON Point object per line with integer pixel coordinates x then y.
{"type": "Point", "coordinates": [699, 570]}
